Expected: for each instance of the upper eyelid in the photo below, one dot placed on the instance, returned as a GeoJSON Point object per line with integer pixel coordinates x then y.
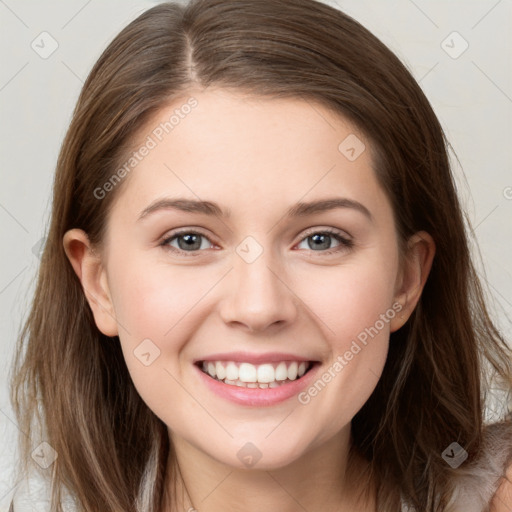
{"type": "Point", "coordinates": [185, 232]}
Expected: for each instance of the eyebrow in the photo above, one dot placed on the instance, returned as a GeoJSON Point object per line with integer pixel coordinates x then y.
{"type": "Point", "coordinates": [213, 209]}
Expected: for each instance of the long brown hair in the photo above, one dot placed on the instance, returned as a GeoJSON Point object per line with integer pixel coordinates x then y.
{"type": "Point", "coordinates": [112, 449]}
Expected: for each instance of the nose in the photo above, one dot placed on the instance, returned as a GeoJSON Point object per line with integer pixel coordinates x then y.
{"type": "Point", "coordinates": [257, 296]}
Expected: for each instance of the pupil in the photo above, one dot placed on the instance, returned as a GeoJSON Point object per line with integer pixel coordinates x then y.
{"type": "Point", "coordinates": [325, 244]}
{"type": "Point", "coordinates": [190, 239]}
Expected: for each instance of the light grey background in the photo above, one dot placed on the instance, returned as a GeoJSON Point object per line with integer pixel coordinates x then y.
{"type": "Point", "coordinates": [471, 94]}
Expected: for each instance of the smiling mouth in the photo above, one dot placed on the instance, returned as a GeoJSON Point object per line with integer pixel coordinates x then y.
{"type": "Point", "coordinates": [261, 376]}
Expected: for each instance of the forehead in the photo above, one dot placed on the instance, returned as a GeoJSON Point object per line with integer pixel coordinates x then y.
{"type": "Point", "coordinates": [248, 152]}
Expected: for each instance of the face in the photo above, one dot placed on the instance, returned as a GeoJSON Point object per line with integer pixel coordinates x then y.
{"type": "Point", "coordinates": [259, 282]}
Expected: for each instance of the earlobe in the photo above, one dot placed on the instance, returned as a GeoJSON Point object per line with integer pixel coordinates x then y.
{"type": "Point", "coordinates": [88, 267]}
{"type": "Point", "coordinates": [413, 276]}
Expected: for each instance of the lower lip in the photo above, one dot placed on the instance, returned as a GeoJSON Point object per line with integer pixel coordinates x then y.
{"type": "Point", "coordinates": [257, 396]}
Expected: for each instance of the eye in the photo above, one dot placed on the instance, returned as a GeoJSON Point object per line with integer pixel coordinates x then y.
{"type": "Point", "coordinates": [322, 240]}
{"type": "Point", "coordinates": [188, 242]}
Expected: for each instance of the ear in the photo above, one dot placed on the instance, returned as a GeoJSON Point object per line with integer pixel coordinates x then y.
{"type": "Point", "coordinates": [417, 263]}
{"type": "Point", "coordinates": [88, 267]}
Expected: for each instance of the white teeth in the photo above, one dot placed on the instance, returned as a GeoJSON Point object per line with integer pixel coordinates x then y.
{"type": "Point", "coordinates": [292, 371]}
{"type": "Point", "coordinates": [231, 371]}
{"type": "Point", "coordinates": [220, 370]}
{"type": "Point", "coordinates": [281, 371]}
{"type": "Point", "coordinates": [268, 375]}
{"type": "Point", "coordinates": [247, 373]}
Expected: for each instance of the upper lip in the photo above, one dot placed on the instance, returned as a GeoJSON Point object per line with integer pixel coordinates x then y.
{"type": "Point", "coordinates": [246, 357]}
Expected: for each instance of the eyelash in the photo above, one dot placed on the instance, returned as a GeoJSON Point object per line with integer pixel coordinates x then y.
{"type": "Point", "coordinates": [345, 243]}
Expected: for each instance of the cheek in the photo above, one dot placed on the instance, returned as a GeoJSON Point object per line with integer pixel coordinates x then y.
{"type": "Point", "coordinates": [354, 305]}
{"type": "Point", "coordinates": [150, 299]}
{"type": "Point", "coordinates": [153, 306]}
{"type": "Point", "coordinates": [349, 298]}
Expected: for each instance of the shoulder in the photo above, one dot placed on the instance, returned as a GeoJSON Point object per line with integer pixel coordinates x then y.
{"type": "Point", "coordinates": [502, 499]}
{"type": "Point", "coordinates": [484, 480]}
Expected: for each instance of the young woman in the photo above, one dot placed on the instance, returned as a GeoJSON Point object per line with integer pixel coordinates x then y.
{"type": "Point", "coordinates": [256, 291]}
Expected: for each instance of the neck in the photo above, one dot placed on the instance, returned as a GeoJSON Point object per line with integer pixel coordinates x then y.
{"type": "Point", "coordinates": [327, 478]}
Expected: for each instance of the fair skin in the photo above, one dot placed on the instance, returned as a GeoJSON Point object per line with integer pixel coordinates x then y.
{"type": "Point", "coordinates": [256, 157]}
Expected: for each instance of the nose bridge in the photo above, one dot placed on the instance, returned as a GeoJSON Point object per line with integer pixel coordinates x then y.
{"type": "Point", "coordinates": [257, 295]}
